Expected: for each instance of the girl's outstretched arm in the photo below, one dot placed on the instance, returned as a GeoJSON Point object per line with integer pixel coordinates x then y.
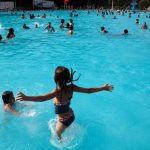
{"type": "Point", "coordinates": [106, 87]}
{"type": "Point", "coordinates": [23, 97]}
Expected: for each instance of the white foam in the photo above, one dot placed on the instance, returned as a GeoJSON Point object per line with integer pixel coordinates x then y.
{"type": "Point", "coordinates": [71, 138]}
{"type": "Point", "coordinates": [36, 23]}
{"type": "Point", "coordinates": [31, 113]}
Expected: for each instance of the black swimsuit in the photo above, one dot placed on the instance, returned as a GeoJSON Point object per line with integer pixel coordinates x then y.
{"type": "Point", "coordinates": [65, 108]}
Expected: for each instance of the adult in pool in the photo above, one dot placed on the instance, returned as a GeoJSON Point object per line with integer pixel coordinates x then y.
{"type": "Point", "coordinates": [49, 27]}
{"type": "Point", "coordinates": [62, 96]}
{"type": "Point", "coordinates": [9, 102]}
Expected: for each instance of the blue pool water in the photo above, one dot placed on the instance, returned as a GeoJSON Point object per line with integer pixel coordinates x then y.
{"type": "Point", "coordinates": [118, 120]}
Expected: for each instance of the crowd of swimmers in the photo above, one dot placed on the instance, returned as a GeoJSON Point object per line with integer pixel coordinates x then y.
{"type": "Point", "coordinates": [63, 93]}
{"type": "Point", "coordinates": [70, 25]}
{"type": "Point", "coordinates": [10, 35]}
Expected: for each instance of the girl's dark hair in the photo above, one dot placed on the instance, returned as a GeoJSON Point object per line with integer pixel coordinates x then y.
{"type": "Point", "coordinates": [63, 76]}
{"type": "Point", "coordinates": [6, 95]}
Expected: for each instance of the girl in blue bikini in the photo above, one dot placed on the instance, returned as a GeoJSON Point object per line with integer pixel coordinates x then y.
{"type": "Point", "coordinates": [62, 96]}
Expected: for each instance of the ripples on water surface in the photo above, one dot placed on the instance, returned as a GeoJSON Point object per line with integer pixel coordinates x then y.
{"type": "Point", "coordinates": [104, 121]}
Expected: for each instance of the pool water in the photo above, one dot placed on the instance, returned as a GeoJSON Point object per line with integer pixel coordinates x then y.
{"type": "Point", "coordinates": [118, 120]}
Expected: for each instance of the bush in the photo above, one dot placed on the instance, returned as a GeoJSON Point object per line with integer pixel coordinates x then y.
{"type": "Point", "coordinates": [144, 4]}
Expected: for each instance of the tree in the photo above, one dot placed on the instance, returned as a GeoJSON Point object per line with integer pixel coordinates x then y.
{"type": "Point", "coordinates": [144, 4]}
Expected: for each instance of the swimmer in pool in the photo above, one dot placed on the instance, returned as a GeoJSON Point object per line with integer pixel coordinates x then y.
{"type": "Point", "coordinates": [144, 26]}
{"type": "Point", "coordinates": [137, 21]}
{"type": "Point", "coordinates": [36, 25]}
{"type": "Point", "coordinates": [62, 23]}
{"type": "Point", "coordinates": [25, 26]}
{"type": "Point", "coordinates": [67, 26]}
{"type": "Point", "coordinates": [44, 15]}
{"type": "Point", "coordinates": [10, 34]}
{"type": "Point", "coordinates": [103, 30]}
{"type": "Point", "coordinates": [62, 96]}
{"type": "Point", "coordinates": [70, 32]}
{"type": "Point", "coordinates": [125, 32]}
{"type": "Point", "coordinates": [22, 16]}
{"type": "Point", "coordinates": [49, 27]}
{"type": "Point", "coordinates": [71, 23]}
{"type": "Point", "coordinates": [9, 102]}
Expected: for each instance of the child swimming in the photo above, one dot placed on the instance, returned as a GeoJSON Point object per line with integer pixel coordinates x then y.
{"type": "Point", "coordinates": [11, 34]}
{"type": "Point", "coordinates": [62, 96]}
{"type": "Point", "coordinates": [9, 102]}
{"type": "Point", "coordinates": [103, 30]}
{"type": "Point", "coordinates": [25, 26]}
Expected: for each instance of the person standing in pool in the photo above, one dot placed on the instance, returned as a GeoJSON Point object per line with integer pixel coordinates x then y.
{"type": "Point", "coordinates": [49, 27]}
{"type": "Point", "coordinates": [62, 96]}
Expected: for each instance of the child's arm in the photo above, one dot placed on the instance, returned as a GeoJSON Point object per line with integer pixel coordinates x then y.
{"type": "Point", "coordinates": [23, 97]}
{"type": "Point", "coordinates": [106, 87]}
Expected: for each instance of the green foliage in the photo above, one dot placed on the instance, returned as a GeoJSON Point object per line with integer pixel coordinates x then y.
{"type": "Point", "coordinates": [144, 4]}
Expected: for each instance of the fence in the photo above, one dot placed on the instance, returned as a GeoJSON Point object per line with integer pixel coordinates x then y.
{"type": "Point", "coordinates": [7, 5]}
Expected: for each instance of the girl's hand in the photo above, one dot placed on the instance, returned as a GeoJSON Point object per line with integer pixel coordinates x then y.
{"type": "Point", "coordinates": [21, 96]}
{"type": "Point", "coordinates": [108, 87]}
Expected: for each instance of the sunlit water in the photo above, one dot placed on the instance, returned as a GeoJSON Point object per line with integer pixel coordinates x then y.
{"type": "Point", "coordinates": [118, 120]}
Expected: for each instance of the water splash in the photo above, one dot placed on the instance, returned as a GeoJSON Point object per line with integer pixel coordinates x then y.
{"type": "Point", "coordinates": [31, 113]}
{"type": "Point", "coordinates": [71, 138]}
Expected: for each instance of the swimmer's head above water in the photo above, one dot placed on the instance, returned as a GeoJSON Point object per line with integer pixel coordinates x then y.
{"type": "Point", "coordinates": [103, 30]}
{"type": "Point", "coordinates": [125, 32]}
{"type": "Point", "coordinates": [8, 98]}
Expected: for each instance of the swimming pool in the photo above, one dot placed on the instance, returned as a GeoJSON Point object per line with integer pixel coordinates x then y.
{"type": "Point", "coordinates": [104, 121]}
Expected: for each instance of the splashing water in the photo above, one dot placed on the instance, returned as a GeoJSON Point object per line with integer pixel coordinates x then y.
{"type": "Point", "coordinates": [71, 138]}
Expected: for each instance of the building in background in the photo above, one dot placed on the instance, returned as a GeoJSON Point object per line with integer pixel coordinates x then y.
{"type": "Point", "coordinates": [43, 4]}
{"type": "Point", "coordinates": [30, 4]}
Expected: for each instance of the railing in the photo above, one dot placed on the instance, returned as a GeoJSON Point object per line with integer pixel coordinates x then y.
{"type": "Point", "coordinates": [7, 5]}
